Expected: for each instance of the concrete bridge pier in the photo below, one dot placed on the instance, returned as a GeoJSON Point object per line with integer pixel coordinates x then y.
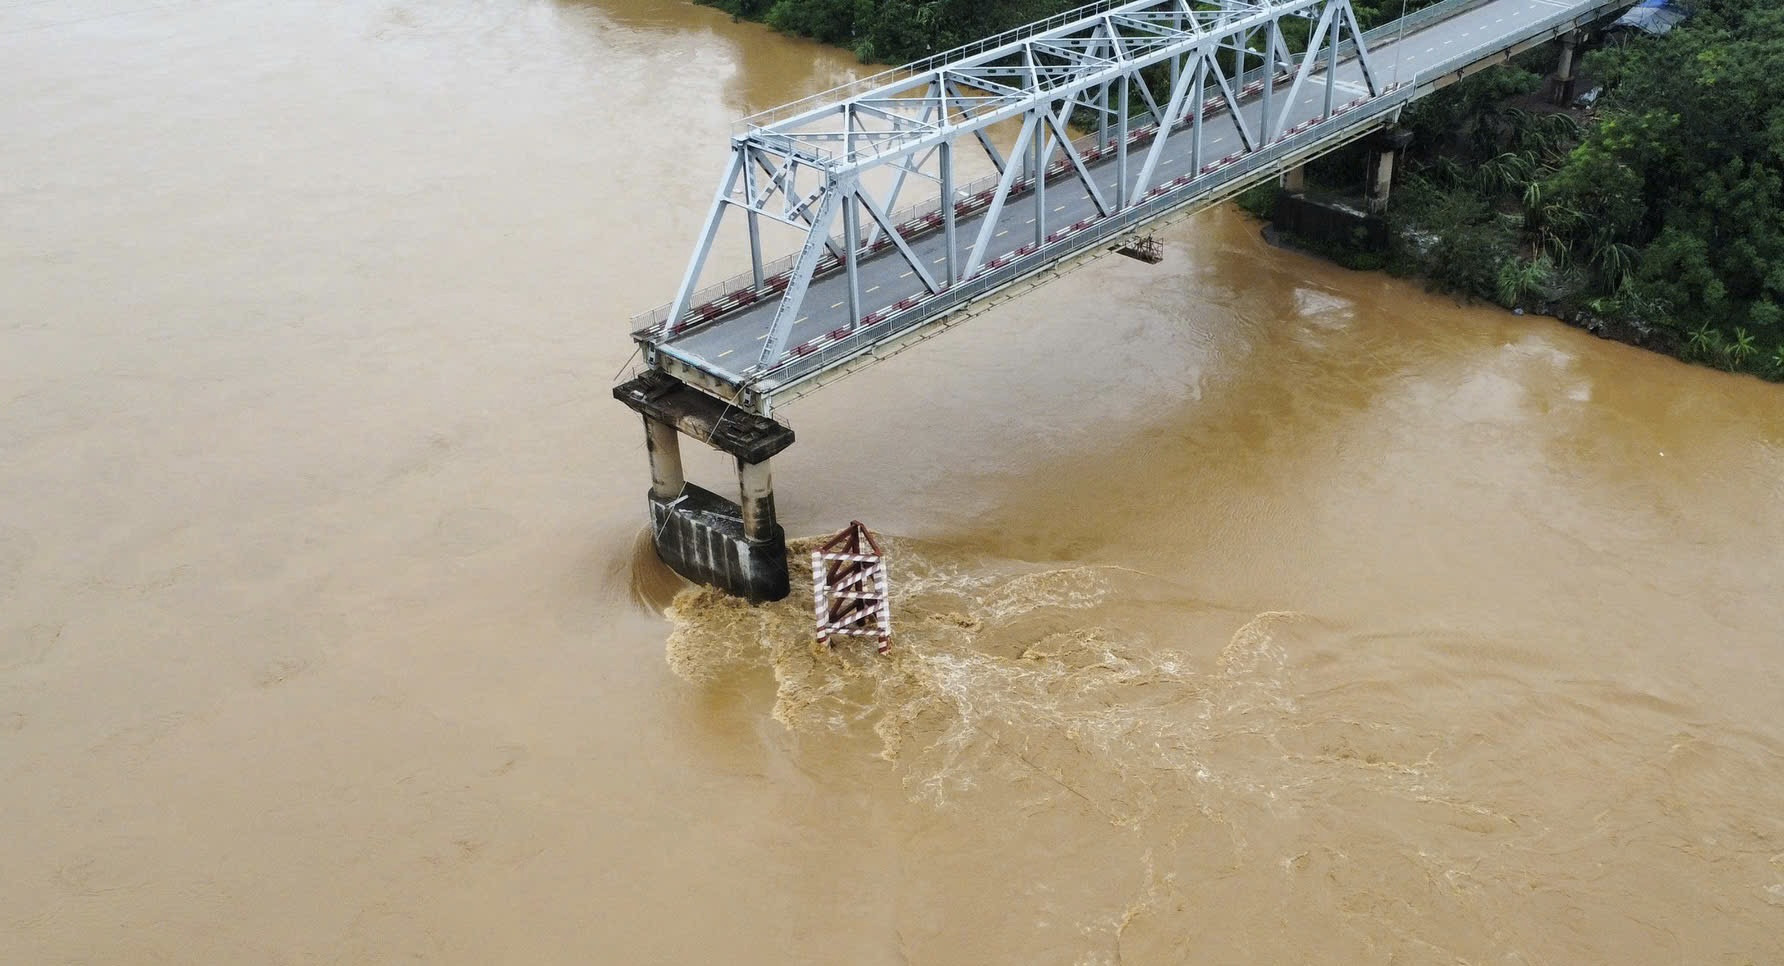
{"type": "Point", "coordinates": [1383, 148]}
{"type": "Point", "coordinates": [663, 442]}
{"type": "Point", "coordinates": [1570, 43]}
{"type": "Point", "coordinates": [1295, 179]}
{"type": "Point", "coordinates": [737, 547]}
{"type": "Point", "coordinates": [755, 483]}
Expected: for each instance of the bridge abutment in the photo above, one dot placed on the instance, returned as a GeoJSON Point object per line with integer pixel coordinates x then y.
{"type": "Point", "coordinates": [737, 547]}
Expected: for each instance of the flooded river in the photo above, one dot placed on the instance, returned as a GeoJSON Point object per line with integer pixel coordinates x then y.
{"type": "Point", "coordinates": [1250, 610]}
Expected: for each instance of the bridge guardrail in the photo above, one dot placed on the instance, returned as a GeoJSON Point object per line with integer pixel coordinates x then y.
{"type": "Point", "coordinates": [1582, 13]}
{"type": "Point", "coordinates": [1412, 22]}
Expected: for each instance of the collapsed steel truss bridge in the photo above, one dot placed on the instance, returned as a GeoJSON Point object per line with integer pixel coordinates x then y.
{"type": "Point", "coordinates": [908, 198]}
{"type": "Point", "coordinates": [1185, 101]}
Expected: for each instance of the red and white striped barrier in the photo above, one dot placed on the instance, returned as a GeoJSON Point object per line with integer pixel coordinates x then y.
{"type": "Point", "coordinates": [850, 593]}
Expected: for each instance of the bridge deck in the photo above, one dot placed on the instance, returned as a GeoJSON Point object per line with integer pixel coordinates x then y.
{"type": "Point", "coordinates": [728, 348]}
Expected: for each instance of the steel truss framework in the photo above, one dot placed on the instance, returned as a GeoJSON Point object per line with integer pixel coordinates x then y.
{"type": "Point", "coordinates": [849, 590]}
{"type": "Point", "coordinates": [1147, 72]}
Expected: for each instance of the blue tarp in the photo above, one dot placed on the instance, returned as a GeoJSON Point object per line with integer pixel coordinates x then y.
{"type": "Point", "coordinates": [1653, 17]}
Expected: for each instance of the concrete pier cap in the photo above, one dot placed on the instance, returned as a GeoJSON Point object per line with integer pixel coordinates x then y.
{"type": "Point", "coordinates": [738, 546]}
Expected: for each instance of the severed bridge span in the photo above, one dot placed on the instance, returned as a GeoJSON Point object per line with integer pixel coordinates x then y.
{"type": "Point", "coordinates": [900, 202]}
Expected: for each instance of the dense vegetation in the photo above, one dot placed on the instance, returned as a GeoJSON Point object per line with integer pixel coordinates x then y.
{"type": "Point", "coordinates": [1675, 197]}
{"type": "Point", "coordinates": [898, 31]}
{"type": "Point", "coordinates": [1660, 214]}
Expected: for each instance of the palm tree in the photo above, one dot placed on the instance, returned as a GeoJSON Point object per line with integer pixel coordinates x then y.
{"type": "Point", "coordinates": [1559, 131]}
{"type": "Point", "coordinates": [1450, 171]}
{"type": "Point", "coordinates": [1539, 212]}
{"type": "Point", "coordinates": [1550, 244]}
{"type": "Point", "coordinates": [1533, 202]}
{"type": "Point", "coordinates": [1519, 280]}
{"type": "Point", "coordinates": [1615, 260]}
{"type": "Point", "coordinates": [1506, 172]}
{"type": "Point", "coordinates": [1547, 137]}
{"type": "Point", "coordinates": [1742, 348]}
{"type": "Point", "coordinates": [1704, 343]}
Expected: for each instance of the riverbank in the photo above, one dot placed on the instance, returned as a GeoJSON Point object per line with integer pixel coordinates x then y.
{"type": "Point", "coordinates": [1655, 215]}
{"type": "Point", "coordinates": [1654, 338]}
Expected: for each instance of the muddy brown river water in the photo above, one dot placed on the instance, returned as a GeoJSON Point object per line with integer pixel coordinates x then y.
{"type": "Point", "coordinates": [1250, 610]}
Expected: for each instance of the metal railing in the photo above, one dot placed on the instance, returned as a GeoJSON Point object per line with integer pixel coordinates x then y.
{"type": "Point", "coordinates": [1414, 22]}
{"type": "Point", "coordinates": [1551, 26]}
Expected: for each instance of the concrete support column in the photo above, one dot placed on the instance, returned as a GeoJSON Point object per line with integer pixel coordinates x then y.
{"type": "Point", "coordinates": [1295, 178]}
{"type": "Point", "coordinates": [699, 534]}
{"type": "Point", "coordinates": [757, 484]}
{"type": "Point", "coordinates": [1381, 166]}
{"type": "Point", "coordinates": [664, 443]}
{"type": "Point", "coordinates": [1381, 180]}
{"type": "Point", "coordinates": [1570, 43]}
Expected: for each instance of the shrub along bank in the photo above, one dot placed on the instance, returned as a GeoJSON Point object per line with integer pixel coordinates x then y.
{"type": "Point", "coordinates": [1658, 218]}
